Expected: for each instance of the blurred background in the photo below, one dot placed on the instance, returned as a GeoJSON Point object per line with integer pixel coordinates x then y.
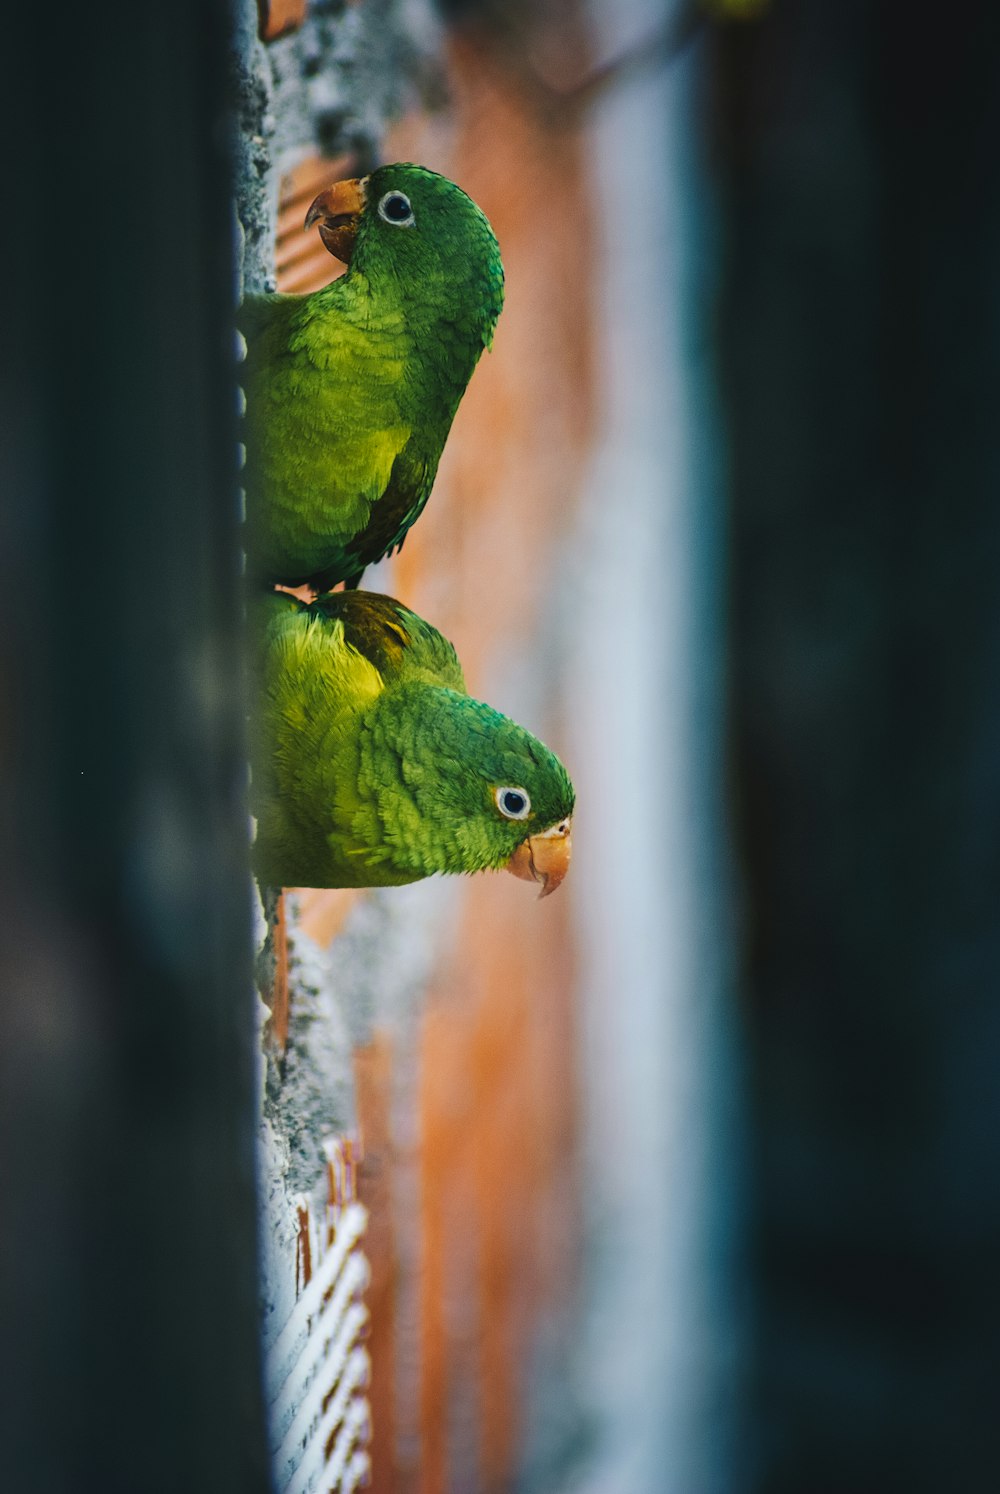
{"type": "Point", "coordinates": [684, 1180]}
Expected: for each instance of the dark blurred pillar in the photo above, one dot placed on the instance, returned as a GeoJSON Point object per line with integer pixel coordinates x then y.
{"type": "Point", "coordinates": [128, 1344]}
{"type": "Point", "coordinates": [861, 358]}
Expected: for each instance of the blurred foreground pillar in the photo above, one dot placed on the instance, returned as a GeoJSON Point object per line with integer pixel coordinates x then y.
{"type": "Point", "coordinates": [861, 348]}
{"type": "Point", "coordinates": [128, 1317]}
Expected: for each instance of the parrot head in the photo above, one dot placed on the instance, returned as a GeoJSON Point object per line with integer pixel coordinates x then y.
{"type": "Point", "coordinates": [475, 790]}
{"type": "Point", "coordinates": [405, 221]}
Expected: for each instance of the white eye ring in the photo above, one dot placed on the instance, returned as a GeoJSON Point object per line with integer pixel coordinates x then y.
{"type": "Point", "coordinates": [391, 204]}
{"type": "Point", "coordinates": [521, 811]}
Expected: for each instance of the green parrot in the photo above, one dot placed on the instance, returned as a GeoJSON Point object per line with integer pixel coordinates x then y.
{"type": "Point", "coordinates": [372, 766]}
{"type": "Point", "coordinates": [351, 390]}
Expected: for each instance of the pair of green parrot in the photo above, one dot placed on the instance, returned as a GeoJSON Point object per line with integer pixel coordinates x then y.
{"type": "Point", "coordinates": [372, 764]}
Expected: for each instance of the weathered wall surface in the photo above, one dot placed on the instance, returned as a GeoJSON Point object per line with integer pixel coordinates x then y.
{"type": "Point", "coordinates": [328, 87]}
{"type": "Point", "coordinates": [438, 1020]}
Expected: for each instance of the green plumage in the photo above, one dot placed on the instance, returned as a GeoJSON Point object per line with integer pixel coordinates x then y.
{"type": "Point", "coordinates": [351, 390]}
{"type": "Point", "coordinates": [372, 765]}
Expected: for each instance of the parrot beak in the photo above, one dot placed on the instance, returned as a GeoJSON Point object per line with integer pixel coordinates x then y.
{"type": "Point", "coordinates": [337, 211]}
{"type": "Point", "coordinates": [544, 858]}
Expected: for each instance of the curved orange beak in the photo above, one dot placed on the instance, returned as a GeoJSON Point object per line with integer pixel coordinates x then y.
{"type": "Point", "coordinates": [545, 857]}
{"type": "Point", "coordinates": [337, 211]}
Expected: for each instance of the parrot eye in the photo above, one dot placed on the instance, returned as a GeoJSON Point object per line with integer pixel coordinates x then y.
{"type": "Point", "coordinates": [395, 209]}
{"type": "Point", "coordinates": [512, 803]}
